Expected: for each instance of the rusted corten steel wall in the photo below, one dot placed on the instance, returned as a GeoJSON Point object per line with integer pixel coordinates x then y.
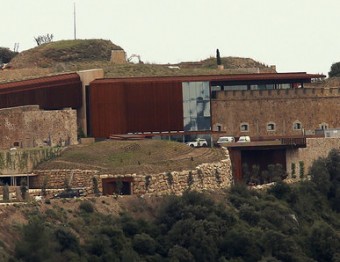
{"type": "Point", "coordinates": [129, 106]}
{"type": "Point", "coordinates": [54, 92]}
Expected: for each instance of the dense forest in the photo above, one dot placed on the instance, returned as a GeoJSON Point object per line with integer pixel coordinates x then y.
{"type": "Point", "coordinates": [298, 222]}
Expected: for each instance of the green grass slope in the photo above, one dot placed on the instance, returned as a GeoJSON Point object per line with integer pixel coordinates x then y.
{"type": "Point", "coordinates": [135, 156]}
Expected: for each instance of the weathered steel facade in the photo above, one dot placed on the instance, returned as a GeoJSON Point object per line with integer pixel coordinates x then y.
{"type": "Point", "coordinates": [162, 104]}
{"type": "Point", "coordinates": [130, 106]}
{"type": "Point", "coordinates": [50, 93]}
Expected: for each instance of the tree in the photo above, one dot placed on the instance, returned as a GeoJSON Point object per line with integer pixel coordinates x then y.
{"type": "Point", "coordinates": [43, 39]}
{"type": "Point", "coordinates": [6, 55]}
{"type": "Point", "coordinates": [335, 70]}
{"type": "Point", "coordinates": [5, 192]}
{"type": "Point", "coordinates": [44, 186]}
{"type": "Point", "coordinates": [23, 189]}
{"type": "Point", "coordinates": [218, 57]}
{"type": "Point", "coordinates": [320, 175]}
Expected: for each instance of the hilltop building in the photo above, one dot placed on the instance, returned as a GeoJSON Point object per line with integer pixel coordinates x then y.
{"type": "Point", "coordinates": [263, 106]}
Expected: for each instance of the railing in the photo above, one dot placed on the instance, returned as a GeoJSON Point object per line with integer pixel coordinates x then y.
{"type": "Point", "coordinates": [294, 141]}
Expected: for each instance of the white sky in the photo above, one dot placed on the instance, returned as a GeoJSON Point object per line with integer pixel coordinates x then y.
{"type": "Point", "coordinates": [294, 35]}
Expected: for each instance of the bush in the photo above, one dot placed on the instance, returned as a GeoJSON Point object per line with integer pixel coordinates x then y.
{"type": "Point", "coordinates": [335, 70]}
{"type": "Point", "coordinates": [178, 253]}
{"type": "Point", "coordinates": [5, 193]}
{"type": "Point", "coordinates": [86, 206]}
{"type": "Point", "coordinates": [249, 214]}
{"type": "Point", "coordinates": [66, 240]}
{"type": "Point", "coordinates": [23, 189]}
{"type": "Point", "coordinates": [144, 244]}
{"type": "Point", "coordinates": [320, 175]}
{"type": "Point", "coordinates": [280, 190]}
{"type": "Point", "coordinates": [6, 55]}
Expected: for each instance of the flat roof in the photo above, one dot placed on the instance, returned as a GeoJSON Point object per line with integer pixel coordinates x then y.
{"type": "Point", "coordinates": [298, 76]}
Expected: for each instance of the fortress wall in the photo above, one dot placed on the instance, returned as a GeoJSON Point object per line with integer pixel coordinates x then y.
{"type": "Point", "coordinates": [28, 126]}
{"type": "Point", "coordinates": [257, 108]}
{"type": "Point", "coordinates": [316, 147]}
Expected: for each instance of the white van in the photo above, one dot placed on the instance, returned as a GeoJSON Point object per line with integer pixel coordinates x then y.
{"type": "Point", "coordinates": [243, 139]}
{"type": "Point", "coordinates": [225, 139]}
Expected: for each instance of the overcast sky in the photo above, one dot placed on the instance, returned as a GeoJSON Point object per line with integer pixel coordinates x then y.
{"type": "Point", "coordinates": [294, 35]}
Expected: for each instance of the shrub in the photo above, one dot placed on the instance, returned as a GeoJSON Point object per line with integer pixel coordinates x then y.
{"type": "Point", "coordinates": [190, 179]}
{"type": "Point", "coordinates": [280, 190]}
{"type": "Point", "coordinates": [44, 186]}
{"type": "Point", "coordinates": [66, 240]}
{"type": "Point", "coordinates": [5, 193]}
{"type": "Point", "coordinates": [178, 253]}
{"type": "Point", "coordinates": [249, 214]}
{"type": "Point", "coordinates": [144, 244]}
{"type": "Point", "coordinates": [170, 178]}
{"type": "Point", "coordinates": [320, 175]}
{"type": "Point", "coordinates": [147, 182]}
{"type": "Point", "coordinates": [95, 186]}
{"type": "Point", "coordinates": [293, 170]}
{"type": "Point", "coordinates": [86, 206]}
{"type": "Point", "coordinates": [23, 189]}
{"type": "Point", "coordinates": [302, 169]}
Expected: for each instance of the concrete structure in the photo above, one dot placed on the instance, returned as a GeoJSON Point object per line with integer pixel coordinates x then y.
{"type": "Point", "coordinates": [86, 77]}
{"type": "Point", "coordinates": [118, 57]}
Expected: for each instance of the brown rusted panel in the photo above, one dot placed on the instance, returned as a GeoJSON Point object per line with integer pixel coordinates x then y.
{"type": "Point", "coordinates": [119, 107]}
{"type": "Point", "coordinates": [107, 105]}
{"type": "Point", "coordinates": [54, 92]}
{"type": "Point", "coordinates": [236, 163]}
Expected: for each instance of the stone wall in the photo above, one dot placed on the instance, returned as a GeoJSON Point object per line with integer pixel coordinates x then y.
{"type": "Point", "coordinates": [57, 178]}
{"type": "Point", "coordinates": [316, 147]}
{"type": "Point", "coordinates": [23, 161]}
{"type": "Point", "coordinates": [311, 107]}
{"type": "Point", "coordinates": [205, 177]}
{"type": "Point", "coordinates": [28, 126]}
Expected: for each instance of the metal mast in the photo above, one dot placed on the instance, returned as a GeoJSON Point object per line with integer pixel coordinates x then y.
{"type": "Point", "coordinates": [74, 20]}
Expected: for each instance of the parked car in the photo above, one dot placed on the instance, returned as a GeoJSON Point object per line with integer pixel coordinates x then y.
{"type": "Point", "coordinates": [70, 193]}
{"type": "Point", "coordinates": [243, 139]}
{"type": "Point", "coordinates": [198, 142]}
{"type": "Point", "coordinates": [225, 139]}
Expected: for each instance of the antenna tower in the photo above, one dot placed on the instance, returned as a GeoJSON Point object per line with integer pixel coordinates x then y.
{"type": "Point", "coordinates": [74, 21]}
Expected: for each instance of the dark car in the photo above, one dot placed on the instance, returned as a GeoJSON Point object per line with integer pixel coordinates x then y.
{"type": "Point", "coordinates": [70, 193]}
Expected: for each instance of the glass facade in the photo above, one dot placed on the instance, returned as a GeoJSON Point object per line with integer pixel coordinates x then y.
{"type": "Point", "coordinates": [196, 106]}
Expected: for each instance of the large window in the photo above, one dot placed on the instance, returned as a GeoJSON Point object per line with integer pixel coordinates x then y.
{"type": "Point", "coordinates": [196, 106]}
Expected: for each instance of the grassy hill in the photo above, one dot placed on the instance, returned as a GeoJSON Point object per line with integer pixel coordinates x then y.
{"type": "Point", "coordinates": [73, 55]}
{"type": "Point", "coordinates": [138, 156]}
{"type": "Point", "coordinates": [49, 54]}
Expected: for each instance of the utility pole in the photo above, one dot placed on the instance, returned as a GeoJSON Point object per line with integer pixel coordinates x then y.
{"type": "Point", "coordinates": [74, 21]}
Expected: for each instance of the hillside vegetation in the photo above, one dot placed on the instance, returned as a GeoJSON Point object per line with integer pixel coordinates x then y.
{"type": "Point", "coordinates": [49, 54]}
{"type": "Point", "coordinates": [297, 222]}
